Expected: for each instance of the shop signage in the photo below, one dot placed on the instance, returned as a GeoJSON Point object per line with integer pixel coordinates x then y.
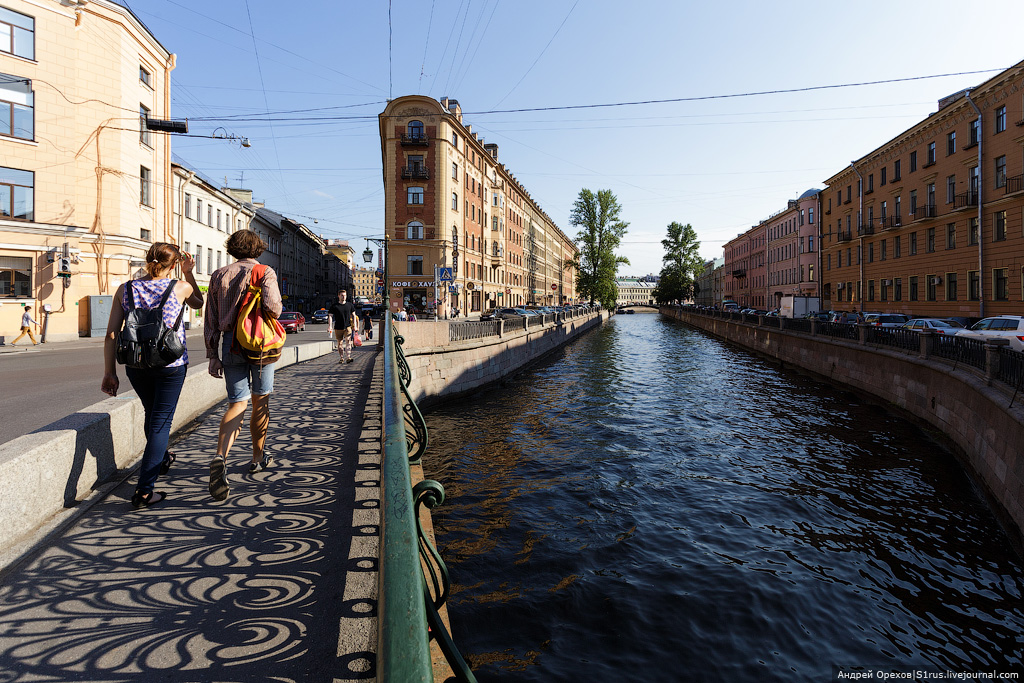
{"type": "Point", "coordinates": [413, 283]}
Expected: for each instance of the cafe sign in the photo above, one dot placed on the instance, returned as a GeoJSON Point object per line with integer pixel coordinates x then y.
{"type": "Point", "coordinates": [413, 283]}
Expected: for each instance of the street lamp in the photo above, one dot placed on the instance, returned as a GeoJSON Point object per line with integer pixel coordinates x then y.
{"type": "Point", "coordinates": [368, 258]}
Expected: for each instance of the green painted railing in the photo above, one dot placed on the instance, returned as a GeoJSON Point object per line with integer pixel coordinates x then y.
{"type": "Point", "coordinates": [409, 603]}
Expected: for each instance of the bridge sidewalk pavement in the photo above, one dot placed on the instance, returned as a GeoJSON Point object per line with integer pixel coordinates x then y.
{"type": "Point", "coordinates": [276, 583]}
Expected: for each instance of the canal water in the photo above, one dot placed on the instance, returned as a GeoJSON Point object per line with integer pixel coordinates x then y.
{"type": "Point", "coordinates": [653, 504]}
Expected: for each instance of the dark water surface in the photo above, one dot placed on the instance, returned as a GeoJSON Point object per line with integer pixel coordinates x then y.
{"type": "Point", "coordinates": [652, 504]}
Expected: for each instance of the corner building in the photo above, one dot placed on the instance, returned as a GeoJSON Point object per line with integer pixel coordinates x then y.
{"type": "Point", "coordinates": [449, 203]}
{"type": "Point", "coordinates": [930, 223]}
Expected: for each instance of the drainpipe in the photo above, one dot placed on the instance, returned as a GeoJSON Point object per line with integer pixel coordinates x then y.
{"type": "Point", "coordinates": [981, 242]}
{"type": "Point", "coordinates": [172, 61]}
{"type": "Point", "coordinates": [860, 238]}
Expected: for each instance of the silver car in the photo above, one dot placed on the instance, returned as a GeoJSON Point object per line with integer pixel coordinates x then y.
{"type": "Point", "coordinates": [1009, 327]}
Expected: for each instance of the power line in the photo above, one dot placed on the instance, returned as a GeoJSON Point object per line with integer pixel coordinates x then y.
{"type": "Point", "coordinates": [426, 44]}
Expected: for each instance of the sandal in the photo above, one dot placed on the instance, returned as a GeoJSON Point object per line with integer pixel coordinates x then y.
{"type": "Point", "coordinates": [169, 459]}
{"type": "Point", "coordinates": [140, 501]}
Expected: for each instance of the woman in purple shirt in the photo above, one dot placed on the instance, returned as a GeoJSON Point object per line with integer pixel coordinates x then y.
{"type": "Point", "coordinates": [158, 388]}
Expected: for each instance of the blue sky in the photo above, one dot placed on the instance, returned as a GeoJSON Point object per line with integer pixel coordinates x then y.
{"type": "Point", "coordinates": [324, 70]}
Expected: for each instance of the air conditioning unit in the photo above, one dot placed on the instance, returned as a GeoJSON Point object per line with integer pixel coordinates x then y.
{"type": "Point", "coordinates": [886, 283]}
{"type": "Point", "coordinates": [936, 280]}
{"type": "Point", "coordinates": [840, 285]}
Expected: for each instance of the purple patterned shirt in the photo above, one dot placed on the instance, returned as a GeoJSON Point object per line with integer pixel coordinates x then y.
{"type": "Point", "coordinates": [147, 295]}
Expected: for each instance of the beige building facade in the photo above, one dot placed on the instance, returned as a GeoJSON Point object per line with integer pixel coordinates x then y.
{"type": "Point", "coordinates": [80, 178]}
{"type": "Point", "coordinates": [450, 204]}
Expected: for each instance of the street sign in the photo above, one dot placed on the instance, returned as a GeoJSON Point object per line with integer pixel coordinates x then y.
{"type": "Point", "coordinates": [380, 283]}
{"type": "Point", "coordinates": [445, 275]}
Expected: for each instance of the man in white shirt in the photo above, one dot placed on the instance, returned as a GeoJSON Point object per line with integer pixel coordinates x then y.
{"type": "Point", "coordinates": [26, 327]}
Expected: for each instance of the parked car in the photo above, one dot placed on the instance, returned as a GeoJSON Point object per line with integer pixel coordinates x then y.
{"type": "Point", "coordinates": [319, 317]}
{"type": "Point", "coordinates": [886, 319]}
{"type": "Point", "coordinates": [292, 321]}
{"type": "Point", "coordinates": [934, 324]}
{"type": "Point", "coordinates": [1009, 327]}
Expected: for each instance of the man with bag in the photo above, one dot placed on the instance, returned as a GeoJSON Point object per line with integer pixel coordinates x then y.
{"type": "Point", "coordinates": [341, 322]}
{"type": "Point", "coordinates": [229, 346]}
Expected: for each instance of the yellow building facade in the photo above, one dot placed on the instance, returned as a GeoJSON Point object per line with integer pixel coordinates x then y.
{"type": "Point", "coordinates": [450, 204]}
{"type": "Point", "coordinates": [80, 178]}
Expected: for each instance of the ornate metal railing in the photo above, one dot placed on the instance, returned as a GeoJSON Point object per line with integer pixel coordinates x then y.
{"type": "Point", "coordinates": [961, 349]}
{"type": "Point", "coordinates": [466, 330]}
{"type": "Point", "coordinates": [414, 585]}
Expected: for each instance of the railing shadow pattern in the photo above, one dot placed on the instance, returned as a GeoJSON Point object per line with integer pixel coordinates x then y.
{"type": "Point", "coordinates": [197, 590]}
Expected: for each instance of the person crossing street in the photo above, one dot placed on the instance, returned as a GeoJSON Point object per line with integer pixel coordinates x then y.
{"type": "Point", "coordinates": [26, 327]}
{"type": "Point", "coordinates": [341, 322]}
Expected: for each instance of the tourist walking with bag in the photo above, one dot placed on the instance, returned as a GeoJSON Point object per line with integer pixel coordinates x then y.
{"type": "Point", "coordinates": [145, 333]}
{"type": "Point", "coordinates": [367, 325]}
{"type": "Point", "coordinates": [246, 373]}
{"type": "Point", "coordinates": [341, 322]}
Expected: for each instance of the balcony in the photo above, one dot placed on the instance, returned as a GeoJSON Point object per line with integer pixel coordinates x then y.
{"type": "Point", "coordinates": [415, 140]}
{"type": "Point", "coordinates": [1015, 184]}
{"type": "Point", "coordinates": [925, 211]}
{"type": "Point", "coordinates": [965, 199]}
{"type": "Point", "coordinates": [739, 272]}
{"type": "Point", "coordinates": [866, 229]}
{"type": "Point", "coordinates": [845, 237]}
{"type": "Point", "coordinates": [891, 223]}
{"type": "Point", "coordinates": [415, 172]}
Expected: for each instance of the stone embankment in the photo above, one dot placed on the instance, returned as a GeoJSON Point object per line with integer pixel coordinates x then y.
{"type": "Point", "coordinates": [981, 415]}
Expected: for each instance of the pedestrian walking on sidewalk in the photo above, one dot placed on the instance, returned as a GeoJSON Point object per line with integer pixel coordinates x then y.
{"type": "Point", "coordinates": [341, 322]}
{"type": "Point", "coordinates": [243, 379]}
{"type": "Point", "coordinates": [367, 325]}
{"type": "Point", "coordinates": [26, 326]}
{"type": "Point", "coordinates": [158, 388]}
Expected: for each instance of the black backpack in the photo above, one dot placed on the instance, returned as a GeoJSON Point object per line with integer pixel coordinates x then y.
{"type": "Point", "coordinates": [145, 340]}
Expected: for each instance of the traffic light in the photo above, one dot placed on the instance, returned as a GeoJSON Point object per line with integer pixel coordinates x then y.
{"type": "Point", "coordinates": [64, 266]}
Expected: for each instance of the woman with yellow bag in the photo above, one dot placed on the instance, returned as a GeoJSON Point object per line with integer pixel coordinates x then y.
{"type": "Point", "coordinates": [244, 374]}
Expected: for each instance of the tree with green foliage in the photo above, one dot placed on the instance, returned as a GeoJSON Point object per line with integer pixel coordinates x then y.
{"type": "Point", "coordinates": [680, 264]}
{"type": "Point", "coordinates": [600, 232]}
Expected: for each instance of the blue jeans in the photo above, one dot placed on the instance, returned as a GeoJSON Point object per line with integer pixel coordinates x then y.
{"type": "Point", "coordinates": [158, 389]}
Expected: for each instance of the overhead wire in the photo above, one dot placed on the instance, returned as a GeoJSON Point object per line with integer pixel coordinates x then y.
{"type": "Point", "coordinates": [451, 32]}
{"type": "Point", "coordinates": [426, 44]}
{"type": "Point", "coordinates": [455, 52]}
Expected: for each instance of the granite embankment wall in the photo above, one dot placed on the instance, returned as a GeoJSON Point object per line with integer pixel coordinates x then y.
{"type": "Point", "coordinates": [957, 400]}
{"type": "Point", "coordinates": [46, 474]}
{"type": "Point", "coordinates": [445, 369]}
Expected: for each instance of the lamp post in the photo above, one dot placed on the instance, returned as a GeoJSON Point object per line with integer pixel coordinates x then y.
{"type": "Point", "coordinates": [368, 258]}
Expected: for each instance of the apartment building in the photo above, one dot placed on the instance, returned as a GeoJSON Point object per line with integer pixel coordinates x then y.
{"type": "Point", "coordinates": [299, 256]}
{"type": "Point", "coordinates": [81, 177]}
{"type": "Point", "coordinates": [449, 203]}
{"type": "Point", "coordinates": [930, 223]}
{"type": "Point", "coordinates": [632, 291]}
{"type": "Point", "coordinates": [746, 275]}
{"type": "Point", "coordinates": [204, 217]}
{"type": "Point", "coordinates": [792, 254]}
{"type": "Point", "coordinates": [708, 285]}
{"type": "Point", "coordinates": [364, 283]}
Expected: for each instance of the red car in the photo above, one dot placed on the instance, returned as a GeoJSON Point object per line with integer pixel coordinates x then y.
{"type": "Point", "coordinates": [292, 321]}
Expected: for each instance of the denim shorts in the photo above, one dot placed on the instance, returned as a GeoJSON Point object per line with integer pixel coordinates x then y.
{"type": "Point", "coordinates": [241, 377]}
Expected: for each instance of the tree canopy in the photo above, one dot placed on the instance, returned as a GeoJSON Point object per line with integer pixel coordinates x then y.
{"type": "Point", "coordinates": [680, 264]}
{"type": "Point", "coordinates": [600, 232]}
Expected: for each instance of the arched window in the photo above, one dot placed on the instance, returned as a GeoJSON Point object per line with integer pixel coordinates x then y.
{"type": "Point", "coordinates": [415, 129]}
{"type": "Point", "coordinates": [414, 231]}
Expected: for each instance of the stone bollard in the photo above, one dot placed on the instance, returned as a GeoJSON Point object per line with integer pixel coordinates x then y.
{"type": "Point", "coordinates": [814, 326]}
{"type": "Point", "coordinates": [862, 333]}
{"type": "Point", "coordinates": [782, 322]}
{"type": "Point", "coordinates": [992, 347]}
{"type": "Point", "coordinates": [928, 340]}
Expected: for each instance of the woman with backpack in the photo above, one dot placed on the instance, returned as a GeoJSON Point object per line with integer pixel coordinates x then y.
{"type": "Point", "coordinates": [228, 287]}
{"type": "Point", "coordinates": [158, 388]}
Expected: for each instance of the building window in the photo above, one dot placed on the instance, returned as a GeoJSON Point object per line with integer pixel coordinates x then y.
{"type": "Point", "coordinates": [950, 189]}
{"type": "Point", "coordinates": [882, 179]}
{"type": "Point", "coordinates": [871, 290]}
{"type": "Point", "coordinates": [930, 240]}
{"type": "Point", "coordinates": [218, 259]}
{"type": "Point", "coordinates": [913, 288]}
{"type": "Point", "coordinates": [883, 255]}
{"type": "Point", "coordinates": [951, 292]}
{"type": "Point", "coordinates": [898, 289]}
{"type": "Point", "coordinates": [951, 143]}
{"type": "Point", "coordinates": [15, 276]}
{"type": "Point", "coordinates": [896, 171]}
{"type": "Point", "coordinates": [199, 210]}
{"type": "Point", "coordinates": [999, 226]}
{"type": "Point", "coordinates": [973, 285]}
{"type": "Point", "coordinates": [209, 215]}
{"type": "Point", "coordinates": [188, 205]}
{"type": "Point", "coordinates": [931, 282]}
{"type": "Point", "coordinates": [145, 136]}
{"type": "Point", "coordinates": [455, 171]}
{"type": "Point", "coordinates": [145, 235]}
{"type": "Point", "coordinates": [871, 252]}
{"type": "Point", "coordinates": [1000, 282]}
{"type": "Point", "coordinates": [145, 184]}
{"type": "Point", "coordinates": [415, 265]}
{"type": "Point", "coordinates": [1001, 119]}
{"type": "Point", "coordinates": [1001, 171]}
{"type": "Point", "coordinates": [17, 194]}
{"type": "Point", "coordinates": [16, 107]}
{"type": "Point", "coordinates": [415, 195]}
{"type": "Point", "coordinates": [145, 76]}
{"type": "Point", "coordinates": [896, 212]}
{"type": "Point", "coordinates": [17, 34]}
{"type": "Point", "coordinates": [455, 201]}
{"type": "Point", "coordinates": [913, 203]}
{"type": "Point", "coordinates": [187, 247]}
{"type": "Point", "coordinates": [414, 231]}
{"type": "Point", "coordinates": [972, 231]}
{"type": "Point", "coordinates": [810, 215]}
{"type": "Point", "coordinates": [913, 243]}
{"type": "Point", "coordinates": [913, 161]}
{"type": "Point", "coordinates": [972, 181]}
{"type": "Point", "coordinates": [810, 243]}
{"type": "Point", "coordinates": [951, 236]}
{"type": "Point", "coordinates": [455, 140]}
{"type": "Point", "coordinates": [415, 130]}
{"type": "Point", "coordinates": [974, 133]}
{"type": "Point", "coordinates": [931, 154]}
{"type": "Point", "coordinates": [199, 259]}
{"type": "Point", "coordinates": [209, 259]}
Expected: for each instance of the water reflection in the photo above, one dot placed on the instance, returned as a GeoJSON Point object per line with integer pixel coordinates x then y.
{"type": "Point", "coordinates": [652, 500]}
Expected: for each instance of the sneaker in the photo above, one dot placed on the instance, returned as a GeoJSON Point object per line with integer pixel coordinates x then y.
{"type": "Point", "coordinates": [218, 479]}
{"type": "Point", "coordinates": [349, 360]}
{"type": "Point", "coordinates": [263, 465]}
